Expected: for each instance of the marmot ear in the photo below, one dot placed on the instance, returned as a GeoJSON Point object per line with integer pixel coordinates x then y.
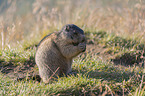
{"type": "Point", "coordinates": [67, 28]}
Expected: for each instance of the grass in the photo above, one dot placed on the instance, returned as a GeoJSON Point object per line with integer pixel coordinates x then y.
{"type": "Point", "coordinates": [122, 50]}
{"type": "Point", "coordinates": [94, 75]}
{"type": "Point", "coordinates": [15, 58]}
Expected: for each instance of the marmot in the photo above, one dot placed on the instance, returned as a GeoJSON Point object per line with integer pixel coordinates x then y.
{"type": "Point", "coordinates": [55, 51]}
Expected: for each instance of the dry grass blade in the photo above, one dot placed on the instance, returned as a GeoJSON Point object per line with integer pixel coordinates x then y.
{"type": "Point", "coordinates": [140, 86]}
{"type": "Point", "coordinates": [109, 89]}
{"type": "Point", "coordinates": [52, 75]}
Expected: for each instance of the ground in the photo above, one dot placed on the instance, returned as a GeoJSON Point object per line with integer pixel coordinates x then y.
{"type": "Point", "coordinates": [107, 65]}
{"type": "Point", "coordinates": [30, 68]}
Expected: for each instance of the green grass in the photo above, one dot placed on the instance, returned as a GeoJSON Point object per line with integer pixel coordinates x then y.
{"type": "Point", "coordinates": [111, 40]}
{"type": "Point", "coordinates": [14, 57]}
{"type": "Point", "coordinates": [126, 49]}
{"type": "Point", "coordinates": [94, 75]}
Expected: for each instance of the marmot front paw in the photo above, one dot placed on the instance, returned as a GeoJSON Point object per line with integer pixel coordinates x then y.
{"type": "Point", "coordinates": [82, 47]}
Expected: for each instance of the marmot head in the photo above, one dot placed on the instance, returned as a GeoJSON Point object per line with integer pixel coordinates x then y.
{"type": "Point", "coordinates": [74, 34]}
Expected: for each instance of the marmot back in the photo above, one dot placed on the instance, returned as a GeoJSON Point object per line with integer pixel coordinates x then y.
{"type": "Point", "coordinates": [55, 51]}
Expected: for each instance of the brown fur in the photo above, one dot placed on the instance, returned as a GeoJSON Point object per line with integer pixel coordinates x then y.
{"type": "Point", "coordinates": [55, 51]}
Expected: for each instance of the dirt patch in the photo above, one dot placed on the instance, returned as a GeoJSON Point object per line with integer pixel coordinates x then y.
{"type": "Point", "coordinates": [129, 59]}
{"type": "Point", "coordinates": [18, 71]}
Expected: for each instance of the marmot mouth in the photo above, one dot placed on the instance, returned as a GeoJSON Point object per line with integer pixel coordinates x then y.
{"type": "Point", "coordinates": [75, 44]}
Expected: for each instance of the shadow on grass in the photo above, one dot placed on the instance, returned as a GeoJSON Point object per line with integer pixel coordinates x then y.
{"type": "Point", "coordinates": [114, 81]}
{"type": "Point", "coordinates": [109, 75]}
{"type": "Point", "coordinates": [17, 68]}
{"type": "Point", "coordinates": [6, 67]}
{"type": "Point", "coordinates": [127, 59]}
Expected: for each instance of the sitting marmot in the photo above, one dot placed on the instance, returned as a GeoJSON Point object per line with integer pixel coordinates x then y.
{"type": "Point", "coordinates": [55, 51]}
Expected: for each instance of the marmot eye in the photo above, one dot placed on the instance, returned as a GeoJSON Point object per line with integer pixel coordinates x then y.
{"type": "Point", "coordinates": [75, 33]}
{"type": "Point", "coordinates": [83, 40]}
{"type": "Point", "coordinates": [71, 37]}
